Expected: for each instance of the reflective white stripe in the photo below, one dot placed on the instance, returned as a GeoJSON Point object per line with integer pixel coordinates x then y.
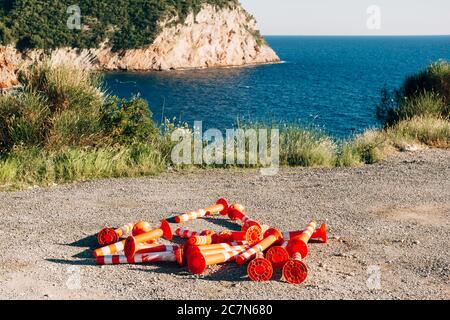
{"type": "Point", "coordinates": [284, 244]}
{"type": "Point", "coordinates": [297, 256]}
{"type": "Point", "coordinates": [108, 259]}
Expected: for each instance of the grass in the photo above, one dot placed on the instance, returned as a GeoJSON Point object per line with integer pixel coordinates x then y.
{"type": "Point", "coordinates": [63, 127]}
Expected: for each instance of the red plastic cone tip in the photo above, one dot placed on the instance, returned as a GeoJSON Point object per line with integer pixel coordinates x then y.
{"type": "Point", "coordinates": [177, 219]}
{"type": "Point", "coordinates": [130, 247]}
{"type": "Point", "coordinates": [299, 246]}
{"type": "Point", "coordinates": [278, 256]}
{"type": "Point", "coordinates": [179, 255]}
{"type": "Point", "coordinates": [107, 236]}
{"type": "Point", "coordinates": [295, 271]}
{"type": "Point", "coordinates": [253, 235]}
{"type": "Point", "coordinates": [236, 211]}
{"type": "Point", "coordinates": [167, 232]}
{"type": "Point", "coordinates": [260, 270]}
{"type": "Point", "coordinates": [223, 202]}
{"type": "Point", "coordinates": [141, 227]}
{"type": "Point", "coordinates": [196, 263]}
{"type": "Point", "coordinates": [323, 233]}
{"type": "Point", "coordinates": [276, 233]}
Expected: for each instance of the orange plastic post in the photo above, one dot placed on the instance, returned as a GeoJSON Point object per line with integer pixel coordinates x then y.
{"type": "Point", "coordinates": [148, 248]}
{"type": "Point", "coordinates": [203, 240]}
{"type": "Point", "coordinates": [300, 243]}
{"type": "Point", "coordinates": [174, 256]}
{"type": "Point", "coordinates": [141, 227]}
{"type": "Point", "coordinates": [319, 234]}
{"type": "Point", "coordinates": [236, 211]}
{"type": "Point", "coordinates": [197, 262]}
{"type": "Point", "coordinates": [252, 235]}
{"type": "Point", "coordinates": [109, 250]}
{"type": "Point", "coordinates": [109, 236]}
{"type": "Point", "coordinates": [260, 269]}
{"type": "Point", "coordinates": [295, 270]}
{"type": "Point", "coordinates": [209, 251]}
{"type": "Point", "coordinates": [272, 236]}
{"type": "Point", "coordinates": [131, 244]}
{"type": "Point", "coordinates": [221, 207]}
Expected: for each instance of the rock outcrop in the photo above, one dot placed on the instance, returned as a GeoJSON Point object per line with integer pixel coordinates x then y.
{"type": "Point", "coordinates": [212, 38]}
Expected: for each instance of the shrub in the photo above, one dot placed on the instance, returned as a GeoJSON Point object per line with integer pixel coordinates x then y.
{"type": "Point", "coordinates": [427, 93]}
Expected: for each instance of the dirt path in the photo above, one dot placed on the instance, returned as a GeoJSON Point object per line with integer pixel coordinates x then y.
{"type": "Point", "coordinates": [388, 222]}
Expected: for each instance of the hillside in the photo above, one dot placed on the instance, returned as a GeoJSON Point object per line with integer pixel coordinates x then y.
{"type": "Point", "coordinates": [130, 35]}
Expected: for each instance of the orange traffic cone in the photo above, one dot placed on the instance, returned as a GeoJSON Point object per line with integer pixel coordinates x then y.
{"type": "Point", "coordinates": [271, 237]}
{"type": "Point", "coordinates": [131, 244]}
{"type": "Point", "coordinates": [141, 227]}
{"type": "Point", "coordinates": [278, 255]}
{"type": "Point", "coordinates": [109, 250]}
{"type": "Point", "coordinates": [300, 243]}
{"type": "Point", "coordinates": [109, 236]}
{"type": "Point", "coordinates": [252, 235]}
{"type": "Point", "coordinates": [166, 256]}
{"type": "Point", "coordinates": [260, 269]}
{"type": "Point", "coordinates": [148, 248]}
{"type": "Point", "coordinates": [318, 235]}
{"type": "Point", "coordinates": [295, 270]}
{"type": "Point", "coordinates": [206, 250]}
{"type": "Point", "coordinates": [197, 262]}
{"type": "Point", "coordinates": [203, 240]}
{"type": "Point", "coordinates": [221, 207]}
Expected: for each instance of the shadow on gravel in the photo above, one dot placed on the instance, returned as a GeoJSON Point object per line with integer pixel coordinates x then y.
{"type": "Point", "coordinates": [227, 273]}
{"type": "Point", "coordinates": [86, 254]}
{"type": "Point", "coordinates": [85, 262]}
{"type": "Point", "coordinates": [87, 242]}
{"type": "Point", "coordinates": [227, 224]}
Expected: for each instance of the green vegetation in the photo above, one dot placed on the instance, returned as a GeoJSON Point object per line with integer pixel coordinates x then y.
{"type": "Point", "coordinates": [62, 127]}
{"type": "Point", "coordinates": [424, 94]}
{"type": "Point", "coordinates": [125, 23]}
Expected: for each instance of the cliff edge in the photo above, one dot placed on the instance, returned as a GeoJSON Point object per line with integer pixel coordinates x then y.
{"type": "Point", "coordinates": [212, 37]}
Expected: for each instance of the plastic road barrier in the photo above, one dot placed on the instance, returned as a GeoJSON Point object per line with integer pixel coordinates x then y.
{"type": "Point", "coordinates": [278, 256]}
{"type": "Point", "coordinates": [260, 269]}
{"type": "Point", "coordinates": [147, 248]}
{"type": "Point", "coordinates": [319, 234]}
{"type": "Point", "coordinates": [221, 207]}
{"type": "Point", "coordinates": [132, 243]}
{"type": "Point", "coordinates": [300, 244]}
{"type": "Point", "coordinates": [141, 227]}
{"type": "Point", "coordinates": [271, 237]}
{"type": "Point", "coordinates": [142, 258]}
{"type": "Point", "coordinates": [109, 250]}
{"type": "Point", "coordinates": [295, 270]}
{"type": "Point", "coordinates": [197, 262]}
{"type": "Point", "coordinates": [109, 236]}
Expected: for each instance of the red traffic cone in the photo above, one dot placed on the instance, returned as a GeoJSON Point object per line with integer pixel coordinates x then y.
{"type": "Point", "coordinates": [131, 244]}
{"type": "Point", "coordinates": [109, 236]}
{"type": "Point", "coordinates": [260, 269]}
{"type": "Point", "coordinates": [221, 207]}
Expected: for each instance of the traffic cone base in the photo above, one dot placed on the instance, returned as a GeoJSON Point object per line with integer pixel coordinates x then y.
{"type": "Point", "coordinates": [260, 270]}
{"type": "Point", "coordinates": [278, 256]}
{"type": "Point", "coordinates": [297, 246]}
{"type": "Point", "coordinates": [196, 263]}
{"type": "Point", "coordinates": [107, 236]}
{"type": "Point", "coordinates": [295, 271]}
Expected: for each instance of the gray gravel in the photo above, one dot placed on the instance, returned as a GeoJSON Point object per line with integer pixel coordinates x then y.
{"type": "Point", "coordinates": [387, 222]}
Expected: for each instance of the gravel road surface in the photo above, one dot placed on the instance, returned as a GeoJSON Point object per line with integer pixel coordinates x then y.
{"type": "Point", "coordinates": [389, 225]}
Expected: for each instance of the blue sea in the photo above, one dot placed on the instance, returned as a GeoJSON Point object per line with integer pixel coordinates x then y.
{"type": "Point", "coordinates": [330, 82]}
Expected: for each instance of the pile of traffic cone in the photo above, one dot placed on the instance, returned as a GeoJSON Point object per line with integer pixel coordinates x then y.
{"type": "Point", "coordinates": [262, 247]}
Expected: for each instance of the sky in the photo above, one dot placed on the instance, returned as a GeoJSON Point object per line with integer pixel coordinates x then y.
{"type": "Point", "coordinates": [351, 17]}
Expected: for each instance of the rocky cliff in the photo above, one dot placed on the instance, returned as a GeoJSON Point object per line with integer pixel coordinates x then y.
{"type": "Point", "coordinates": [214, 37]}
